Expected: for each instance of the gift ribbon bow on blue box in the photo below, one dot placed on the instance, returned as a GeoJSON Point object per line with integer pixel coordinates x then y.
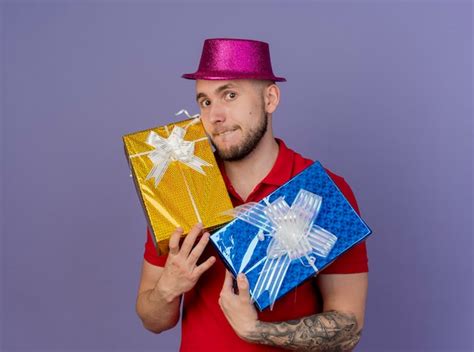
{"type": "Point", "coordinates": [294, 236]}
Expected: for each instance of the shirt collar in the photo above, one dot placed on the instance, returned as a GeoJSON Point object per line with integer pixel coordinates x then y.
{"type": "Point", "coordinates": [283, 167]}
{"type": "Point", "coordinates": [279, 174]}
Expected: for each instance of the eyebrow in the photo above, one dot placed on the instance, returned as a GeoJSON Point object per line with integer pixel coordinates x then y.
{"type": "Point", "coordinates": [217, 91]}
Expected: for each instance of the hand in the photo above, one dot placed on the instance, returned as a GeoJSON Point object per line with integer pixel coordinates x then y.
{"type": "Point", "coordinates": [180, 272]}
{"type": "Point", "coordinates": [238, 307]}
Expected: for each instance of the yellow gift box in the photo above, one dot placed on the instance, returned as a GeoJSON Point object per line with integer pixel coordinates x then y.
{"type": "Point", "coordinates": [177, 179]}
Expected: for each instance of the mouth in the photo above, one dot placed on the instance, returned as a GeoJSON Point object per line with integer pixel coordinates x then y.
{"type": "Point", "coordinates": [225, 132]}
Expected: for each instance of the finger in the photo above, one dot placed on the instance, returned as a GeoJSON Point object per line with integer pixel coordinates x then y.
{"type": "Point", "coordinates": [174, 240]}
{"type": "Point", "coordinates": [243, 285]}
{"type": "Point", "coordinates": [227, 287]}
{"type": "Point", "coordinates": [198, 249]}
{"type": "Point", "coordinates": [189, 240]}
{"type": "Point", "coordinates": [204, 266]}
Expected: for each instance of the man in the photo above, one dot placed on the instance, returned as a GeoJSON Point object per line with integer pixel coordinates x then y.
{"type": "Point", "coordinates": [237, 96]}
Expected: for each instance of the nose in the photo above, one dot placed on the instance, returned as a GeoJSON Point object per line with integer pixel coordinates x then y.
{"type": "Point", "coordinates": [216, 113]}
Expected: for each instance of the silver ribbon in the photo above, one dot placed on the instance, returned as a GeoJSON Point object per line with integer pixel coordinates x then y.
{"type": "Point", "coordinates": [174, 149]}
{"type": "Point", "coordinates": [294, 237]}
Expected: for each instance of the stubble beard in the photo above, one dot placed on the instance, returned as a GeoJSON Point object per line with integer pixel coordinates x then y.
{"type": "Point", "coordinates": [250, 142]}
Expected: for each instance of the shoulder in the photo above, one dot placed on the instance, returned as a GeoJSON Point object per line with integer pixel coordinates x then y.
{"type": "Point", "coordinates": [300, 163]}
{"type": "Point", "coordinates": [338, 180]}
{"type": "Point", "coordinates": [345, 189]}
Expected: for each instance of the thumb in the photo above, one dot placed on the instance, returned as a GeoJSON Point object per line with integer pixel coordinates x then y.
{"type": "Point", "coordinates": [243, 285]}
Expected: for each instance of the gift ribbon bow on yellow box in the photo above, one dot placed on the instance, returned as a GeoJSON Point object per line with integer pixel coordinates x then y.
{"type": "Point", "coordinates": [174, 149]}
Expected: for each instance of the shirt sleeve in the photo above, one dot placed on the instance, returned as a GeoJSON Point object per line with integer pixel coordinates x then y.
{"type": "Point", "coordinates": [355, 260]}
{"type": "Point", "coordinates": [151, 255]}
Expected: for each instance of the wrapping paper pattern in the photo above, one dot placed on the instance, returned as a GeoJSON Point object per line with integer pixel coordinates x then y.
{"type": "Point", "coordinates": [335, 215]}
{"type": "Point", "coordinates": [182, 195]}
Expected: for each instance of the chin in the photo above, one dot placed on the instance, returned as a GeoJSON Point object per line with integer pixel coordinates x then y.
{"type": "Point", "coordinates": [226, 147]}
{"type": "Point", "coordinates": [234, 153]}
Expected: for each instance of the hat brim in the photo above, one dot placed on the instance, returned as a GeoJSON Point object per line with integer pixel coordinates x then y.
{"type": "Point", "coordinates": [231, 75]}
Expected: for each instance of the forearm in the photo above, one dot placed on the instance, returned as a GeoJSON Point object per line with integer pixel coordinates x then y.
{"type": "Point", "coordinates": [158, 310]}
{"type": "Point", "coordinates": [328, 331]}
{"type": "Point", "coordinates": [161, 289]}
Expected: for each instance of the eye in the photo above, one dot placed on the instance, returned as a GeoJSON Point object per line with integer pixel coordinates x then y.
{"type": "Point", "coordinates": [205, 103]}
{"type": "Point", "coordinates": [231, 95]}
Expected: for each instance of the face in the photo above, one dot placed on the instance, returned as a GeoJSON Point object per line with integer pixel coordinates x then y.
{"type": "Point", "coordinates": [233, 115]}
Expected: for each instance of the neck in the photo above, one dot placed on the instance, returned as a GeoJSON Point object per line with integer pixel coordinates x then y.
{"type": "Point", "coordinates": [245, 174]}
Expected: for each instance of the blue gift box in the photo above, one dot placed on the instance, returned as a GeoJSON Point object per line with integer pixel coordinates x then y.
{"type": "Point", "coordinates": [245, 247]}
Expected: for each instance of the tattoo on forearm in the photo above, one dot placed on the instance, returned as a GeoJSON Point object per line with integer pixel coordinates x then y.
{"type": "Point", "coordinates": [329, 331]}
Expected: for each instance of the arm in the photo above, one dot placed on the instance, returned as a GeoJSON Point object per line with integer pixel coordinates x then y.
{"type": "Point", "coordinates": [160, 289]}
{"type": "Point", "coordinates": [157, 311]}
{"type": "Point", "coordinates": [338, 328]}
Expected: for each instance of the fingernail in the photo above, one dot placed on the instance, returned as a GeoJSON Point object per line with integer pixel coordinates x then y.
{"type": "Point", "coordinates": [241, 276]}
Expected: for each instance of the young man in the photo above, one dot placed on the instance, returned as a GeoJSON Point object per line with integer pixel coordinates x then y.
{"type": "Point", "coordinates": [237, 95]}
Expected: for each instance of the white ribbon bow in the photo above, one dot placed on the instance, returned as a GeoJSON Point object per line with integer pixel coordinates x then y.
{"type": "Point", "coordinates": [173, 148]}
{"type": "Point", "coordinates": [294, 236]}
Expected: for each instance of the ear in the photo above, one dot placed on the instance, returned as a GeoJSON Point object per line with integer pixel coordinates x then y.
{"type": "Point", "coordinates": [271, 97]}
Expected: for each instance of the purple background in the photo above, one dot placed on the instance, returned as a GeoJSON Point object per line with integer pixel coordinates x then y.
{"type": "Point", "coordinates": [380, 92]}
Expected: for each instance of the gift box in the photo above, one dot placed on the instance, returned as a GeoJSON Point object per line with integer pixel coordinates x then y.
{"type": "Point", "coordinates": [290, 235]}
{"type": "Point", "coordinates": [177, 179]}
